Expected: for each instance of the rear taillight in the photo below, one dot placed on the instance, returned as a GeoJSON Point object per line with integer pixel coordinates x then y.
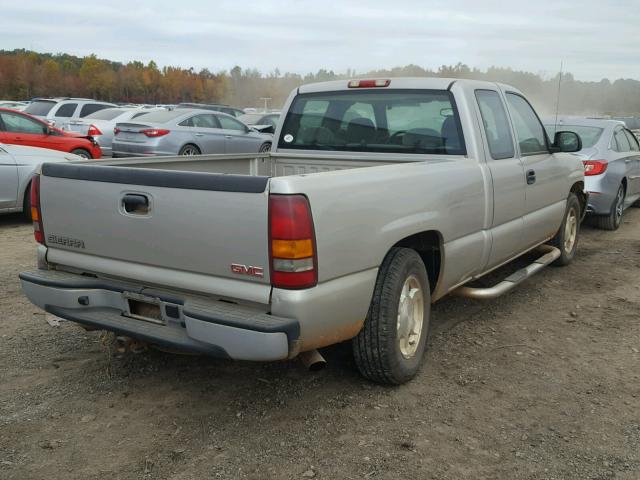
{"type": "Point", "coordinates": [154, 132]}
{"type": "Point", "coordinates": [594, 167]}
{"type": "Point", "coordinates": [116, 130]}
{"type": "Point", "coordinates": [368, 83]}
{"type": "Point", "coordinates": [36, 211]}
{"type": "Point", "coordinates": [93, 131]}
{"type": "Point", "coordinates": [292, 242]}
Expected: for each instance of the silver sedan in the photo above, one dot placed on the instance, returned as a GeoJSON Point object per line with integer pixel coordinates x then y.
{"type": "Point", "coordinates": [611, 157]}
{"type": "Point", "coordinates": [186, 132]}
{"type": "Point", "coordinates": [17, 165]}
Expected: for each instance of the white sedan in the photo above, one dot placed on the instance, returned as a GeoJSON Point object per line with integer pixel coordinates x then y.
{"type": "Point", "coordinates": [17, 165]}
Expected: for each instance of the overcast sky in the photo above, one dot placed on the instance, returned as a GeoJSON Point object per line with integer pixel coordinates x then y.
{"type": "Point", "coordinates": [595, 39]}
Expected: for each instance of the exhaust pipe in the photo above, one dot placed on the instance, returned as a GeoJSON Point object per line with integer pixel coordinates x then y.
{"type": "Point", "coordinates": [312, 360]}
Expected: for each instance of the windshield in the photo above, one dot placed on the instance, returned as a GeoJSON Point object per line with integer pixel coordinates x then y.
{"type": "Point", "coordinates": [40, 107]}
{"type": "Point", "coordinates": [588, 135]}
{"type": "Point", "coordinates": [400, 121]}
{"type": "Point", "coordinates": [106, 114]}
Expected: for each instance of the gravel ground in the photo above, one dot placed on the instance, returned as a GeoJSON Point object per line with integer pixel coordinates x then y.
{"type": "Point", "coordinates": [539, 384]}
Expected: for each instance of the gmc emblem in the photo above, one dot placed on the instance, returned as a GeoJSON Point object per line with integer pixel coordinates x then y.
{"type": "Point", "coordinates": [247, 270]}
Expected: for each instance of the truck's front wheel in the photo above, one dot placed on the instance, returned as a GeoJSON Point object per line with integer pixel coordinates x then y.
{"type": "Point", "coordinates": [391, 344]}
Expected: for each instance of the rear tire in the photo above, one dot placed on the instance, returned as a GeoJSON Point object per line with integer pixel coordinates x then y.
{"type": "Point", "coordinates": [613, 220]}
{"type": "Point", "coordinates": [189, 150]}
{"type": "Point", "coordinates": [566, 240]}
{"type": "Point", "coordinates": [26, 203]}
{"type": "Point", "coordinates": [265, 147]}
{"type": "Point", "coordinates": [390, 347]}
{"type": "Point", "coordinates": [81, 152]}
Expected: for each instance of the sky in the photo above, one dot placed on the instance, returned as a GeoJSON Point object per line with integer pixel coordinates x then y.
{"type": "Point", "coordinates": [594, 39]}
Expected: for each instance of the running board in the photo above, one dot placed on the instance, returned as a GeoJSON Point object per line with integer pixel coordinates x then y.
{"type": "Point", "coordinates": [550, 255]}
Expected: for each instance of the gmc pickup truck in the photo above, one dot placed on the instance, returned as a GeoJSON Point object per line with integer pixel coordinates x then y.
{"type": "Point", "coordinates": [378, 198]}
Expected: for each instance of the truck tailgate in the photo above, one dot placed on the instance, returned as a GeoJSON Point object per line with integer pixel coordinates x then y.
{"type": "Point", "coordinates": [191, 231]}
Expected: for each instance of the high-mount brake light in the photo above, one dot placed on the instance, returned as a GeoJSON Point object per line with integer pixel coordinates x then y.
{"type": "Point", "coordinates": [155, 132]}
{"type": "Point", "coordinates": [594, 167]}
{"type": "Point", "coordinates": [93, 131]}
{"type": "Point", "coordinates": [292, 242]}
{"type": "Point", "coordinates": [36, 211]}
{"type": "Point", "coordinates": [369, 83]}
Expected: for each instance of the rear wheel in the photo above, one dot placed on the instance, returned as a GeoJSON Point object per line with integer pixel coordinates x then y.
{"type": "Point", "coordinates": [566, 240]}
{"type": "Point", "coordinates": [81, 152]}
{"type": "Point", "coordinates": [189, 150]}
{"type": "Point", "coordinates": [265, 147]}
{"type": "Point", "coordinates": [390, 347]}
{"type": "Point", "coordinates": [26, 203]}
{"type": "Point", "coordinates": [613, 220]}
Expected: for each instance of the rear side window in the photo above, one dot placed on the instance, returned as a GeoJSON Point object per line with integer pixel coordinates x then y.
{"type": "Point", "coordinates": [40, 107]}
{"type": "Point", "coordinates": [530, 132]}
{"type": "Point", "coordinates": [89, 108]}
{"type": "Point", "coordinates": [496, 124]}
{"type": "Point", "coordinates": [231, 124]}
{"type": "Point", "coordinates": [20, 124]}
{"type": "Point", "coordinates": [633, 141]}
{"type": "Point", "coordinates": [66, 110]}
{"type": "Point", "coordinates": [621, 142]}
{"type": "Point", "coordinates": [384, 121]}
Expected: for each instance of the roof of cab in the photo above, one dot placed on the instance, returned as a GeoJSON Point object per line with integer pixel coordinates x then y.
{"type": "Point", "coordinates": [430, 83]}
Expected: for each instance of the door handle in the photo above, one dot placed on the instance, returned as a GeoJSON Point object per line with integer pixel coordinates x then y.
{"type": "Point", "coordinates": [531, 177]}
{"type": "Point", "coordinates": [199, 134]}
{"type": "Point", "coordinates": [228, 136]}
{"type": "Point", "coordinates": [627, 160]}
{"type": "Point", "coordinates": [135, 204]}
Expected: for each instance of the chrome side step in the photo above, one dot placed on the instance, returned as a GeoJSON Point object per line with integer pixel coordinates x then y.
{"type": "Point", "coordinates": [550, 254]}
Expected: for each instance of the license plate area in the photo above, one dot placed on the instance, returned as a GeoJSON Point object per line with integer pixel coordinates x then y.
{"type": "Point", "coordinates": [144, 308]}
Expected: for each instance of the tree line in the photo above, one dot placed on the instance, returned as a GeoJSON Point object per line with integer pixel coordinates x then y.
{"type": "Point", "coordinates": [26, 74]}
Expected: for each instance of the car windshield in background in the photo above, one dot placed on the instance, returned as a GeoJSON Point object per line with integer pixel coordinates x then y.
{"type": "Point", "coordinates": [39, 107]}
{"type": "Point", "coordinates": [106, 114]}
{"type": "Point", "coordinates": [589, 135]}
{"type": "Point", "coordinates": [163, 116]}
{"type": "Point", "coordinates": [406, 121]}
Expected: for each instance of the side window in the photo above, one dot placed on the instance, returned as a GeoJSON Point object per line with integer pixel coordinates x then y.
{"type": "Point", "coordinates": [66, 110]}
{"type": "Point", "coordinates": [89, 108]}
{"type": "Point", "coordinates": [19, 124]}
{"type": "Point", "coordinates": [633, 141]}
{"type": "Point", "coordinates": [204, 121]}
{"type": "Point", "coordinates": [187, 122]}
{"type": "Point", "coordinates": [621, 141]}
{"type": "Point", "coordinates": [230, 124]}
{"type": "Point", "coordinates": [496, 124]}
{"type": "Point", "coordinates": [530, 132]}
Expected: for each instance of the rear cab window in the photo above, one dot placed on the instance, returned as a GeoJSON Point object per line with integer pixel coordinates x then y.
{"type": "Point", "coordinates": [89, 108]}
{"type": "Point", "coordinates": [389, 121]}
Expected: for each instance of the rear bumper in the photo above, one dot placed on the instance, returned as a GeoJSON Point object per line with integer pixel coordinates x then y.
{"type": "Point", "coordinates": [189, 324]}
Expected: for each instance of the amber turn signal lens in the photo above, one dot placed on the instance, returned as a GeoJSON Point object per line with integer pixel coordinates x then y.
{"type": "Point", "coordinates": [292, 248]}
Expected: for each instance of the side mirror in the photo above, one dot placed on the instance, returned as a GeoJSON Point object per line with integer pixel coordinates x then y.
{"type": "Point", "coordinates": [566, 142]}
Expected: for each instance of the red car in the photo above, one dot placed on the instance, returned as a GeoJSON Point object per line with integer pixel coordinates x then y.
{"type": "Point", "coordinates": [19, 128]}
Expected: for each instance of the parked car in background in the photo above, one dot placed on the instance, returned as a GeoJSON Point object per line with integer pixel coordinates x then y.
{"type": "Point", "coordinates": [19, 128]}
{"type": "Point", "coordinates": [264, 122]}
{"type": "Point", "coordinates": [234, 112]}
{"type": "Point", "coordinates": [100, 125]}
{"type": "Point", "coordinates": [186, 132]}
{"type": "Point", "coordinates": [57, 111]}
{"type": "Point", "coordinates": [17, 165]}
{"type": "Point", "coordinates": [20, 106]}
{"type": "Point", "coordinates": [611, 157]}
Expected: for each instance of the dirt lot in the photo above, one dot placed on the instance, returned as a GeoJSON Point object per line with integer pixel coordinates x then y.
{"type": "Point", "coordinates": [542, 383]}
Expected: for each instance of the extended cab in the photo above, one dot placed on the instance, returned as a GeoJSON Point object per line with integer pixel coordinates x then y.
{"type": "Point", "coordinates": [378, 198]}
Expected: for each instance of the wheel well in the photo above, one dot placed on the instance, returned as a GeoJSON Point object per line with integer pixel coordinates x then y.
{"type": "Point", "coordinates": [578, 189]}
{"type": "Point", "coordinates": [27, 191]}
{"type": "Point", "coordinates": [190, 144]}
{"type": "Point", "coordinates": [428, 244]}
{"type": "Point", "coordinates": [624, 184]}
